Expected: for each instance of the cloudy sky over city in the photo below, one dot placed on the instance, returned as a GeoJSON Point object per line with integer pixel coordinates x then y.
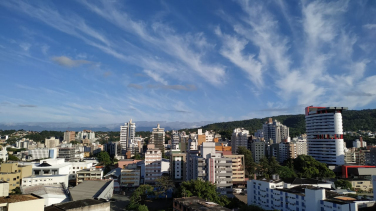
{"type": "Point", "coordinates": [109, 61]}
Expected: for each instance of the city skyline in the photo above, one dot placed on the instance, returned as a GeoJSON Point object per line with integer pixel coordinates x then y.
{"type": "Point", "coordinates": [205, 61]}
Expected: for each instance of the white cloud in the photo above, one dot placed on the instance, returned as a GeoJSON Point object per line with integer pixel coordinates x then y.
{"type": "Point", "coordinates": [370, 26]}
{"type": "Point", "coordinates": [25, 46]}
{"type": "Point", "coordinates": [44, 49]}
{"type": "Point", "coordinates": [155, 76]}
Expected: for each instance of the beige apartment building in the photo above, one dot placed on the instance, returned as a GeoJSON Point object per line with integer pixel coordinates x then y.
{"type": "Point", "coordinates": [130, 176]}
{"type": "Point", "coordinates": [89, 174]}
{"type": "Point", "coordinates": [13, 174]}
{"type": "Point", "coordinates": [153, 159]}
{"type": "Point", "coordinates": [364, 185]}
{"type": "Point", "coordinates": [238, 172]}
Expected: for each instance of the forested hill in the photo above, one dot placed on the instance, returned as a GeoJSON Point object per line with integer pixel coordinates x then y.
{"type": "Point", "coordinates": [352, 120]}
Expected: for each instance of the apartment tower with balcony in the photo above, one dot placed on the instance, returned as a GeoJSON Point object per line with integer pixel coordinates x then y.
{"type": "Point", "coordinates": [325, 134]}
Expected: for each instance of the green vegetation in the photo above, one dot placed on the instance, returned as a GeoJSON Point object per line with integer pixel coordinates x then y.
{"type": "Point", "coordinates": [104, 157]}
{"type": "Point", "coordinates": [139, 196]}
{"type": "Point", "coordinates": [40, 137]}
{"type": "Point", "coordinates": [12, 157]}
{"type": "Point", "coordinates": [163, 184]}
{"type": "Point", "coordinates": [6, 132]}
{"type": "Point", "coordinates": [204, 190]}
{"type": "Point", "coordinates": [352, 121]}
{"type": "Point", "coordinates": [11, 141]}
{"type": "Point", "coordinates": [143, 208]}
{"type": "Point", "coordinates": [344, 184]}
{"type": "Point", "coordinates": [16, 191]}
{"type": "Point", "coordinates": [307, 167]}
{"type": "Point", "coordinates": [248, 161]}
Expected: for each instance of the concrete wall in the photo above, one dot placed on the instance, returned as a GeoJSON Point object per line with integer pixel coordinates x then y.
{"type": "Point", "coordinates": [97, 207]}
{"type": "Point", "coordinates": [32, 205]}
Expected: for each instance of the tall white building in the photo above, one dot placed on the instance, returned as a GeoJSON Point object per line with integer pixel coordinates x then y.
{"type": "Point", "coordinates": [127, 133]}
{"type": "Point", "coordinates": [325, 134]}
{"type": "Point", "coordinates": [275, 131]}
{"type": "Point", "coordinates": [85, 134]}
{"type": "Point", "coordinates": [359, 143]}
{"type": "Point", "coordinates": [239, 138]}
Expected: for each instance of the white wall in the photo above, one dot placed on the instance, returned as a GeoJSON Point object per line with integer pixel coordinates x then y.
{"type": "Point", "coordinates": [45, 180]}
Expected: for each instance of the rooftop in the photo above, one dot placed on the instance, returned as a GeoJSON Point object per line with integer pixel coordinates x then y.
{"type": "Point", "coordinates": [89, 189]}
{"type": "Point", "coordinates": [18, 198]}
{"type": "Point", "coordinates": [73, 205]}
{"type": "Point", "coordinates": [196, 203]}
{"type": "Point", "coordinates": [44, 189]}
{"type": "Point", "coordinates": [298, 181]}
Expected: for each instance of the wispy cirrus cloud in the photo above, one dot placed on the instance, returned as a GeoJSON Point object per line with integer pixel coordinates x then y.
{"type": "Point", "coordinates": [27, 106]}
{"type": "Point", "coordinates": [135, 86]}
{"type": "Point", "coordinates": [68, 62]}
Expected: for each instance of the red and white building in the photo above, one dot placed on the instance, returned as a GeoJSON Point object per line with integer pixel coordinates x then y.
{"type": "Point", "coordinates": [325, 134]}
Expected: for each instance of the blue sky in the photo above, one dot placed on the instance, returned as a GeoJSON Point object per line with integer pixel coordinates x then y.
{"type": "Point", "coordinates": [109, 61]}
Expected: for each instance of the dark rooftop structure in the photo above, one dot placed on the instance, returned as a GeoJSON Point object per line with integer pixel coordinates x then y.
{"type": "Point", "coordinates": [299, 181]}
{"type": "Point", "coordinates": [196, 204]}
{"type": "Point", "coordinates": [76, 204]}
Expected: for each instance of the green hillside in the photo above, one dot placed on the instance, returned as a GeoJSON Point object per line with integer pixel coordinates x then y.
{"type": "Point", "coordinates": [353, 120]}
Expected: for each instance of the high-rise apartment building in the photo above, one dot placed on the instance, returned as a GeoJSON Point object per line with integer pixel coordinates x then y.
{"type": "Point", "coordinates": [274, 132]}
{"type": "Point", "coordinates": [111, 148]}
{"type": "Point", "coordinates": [52, 142]}
{"type": "Point", "coordinates": [85, 134]}
{"type": "Point", "coordinates": [359, 143]}
{"type": "Point", "coordinates": [325, 134]}
{"type": "Point", "coordinates": [69, 136]}
{"type": "Point", "coordinates": [177, 165]}
{"type": "Point", "coordinates": [127, 134]}
{"type": "Point", "coordinates": [153, 159]}
{"type": "Point", "coordinates": [258, 149]}
{"type": "Point", "coordinates": [220, 173]}
{"type": "Point", "coordinates": [158, 137]}
{"type": "Point", "coordinates": [175, 140]}
{"type": "Point", "coordinates": [239, 138]}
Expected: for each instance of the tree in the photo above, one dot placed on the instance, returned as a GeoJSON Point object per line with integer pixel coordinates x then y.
{"type": "Point", "coordinates": [248, 161]}
{"type": "Point", "coordinates": [286, 172]}
{"type": "Point", "coordinates": [12, 157]}
{"type": "Point", "coordinates": [344, 184]}
{"type": "Point", "coordinates": [16, 191]}
{"type": "Point", "coordinates": [307, 167]}
{"type": "Point", "coordinates": [137, 156]}
{"type": "Point", "coordinates": [163, 184]}
{"type": "Point", "coordinates": [143, 208]}
{"type": "Point", "coordinates": [11, 141]}
{"type": "Point", "coordinates": [163, 154]}
{"type": "Point", "coordinates": [104, 157]}
{"type": "Point", "coordinates": [204, 190]}
{"type": "Point", "coordinates": [264, 167]}
{"type": "Point", "coordinates": [273, 166]}
{"type": "Point", "coordinates": [139, 196]}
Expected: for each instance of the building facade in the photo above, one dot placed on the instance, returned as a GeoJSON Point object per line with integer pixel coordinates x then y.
{"type": "Point", "coordinates": [239, 138]}
{"type": "Point", "coordinates": [69, 136]}
{"type": "Point", "coordinates": [158, 137]}
{"type": "Point", "coordinates": [153, 159]}
{"type": "Point", "coordinates": [127, 133]}
{"type": "Point", "coordinates": [274, 132]}
{"type": "Point", "coordinates": [325, 134]}
{"type": "Point", "coordinates": [177, 165]}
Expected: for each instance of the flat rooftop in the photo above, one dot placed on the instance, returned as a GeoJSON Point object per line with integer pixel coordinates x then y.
{"type": "Point", "coordinates": [18, 198]}
{"type": "Point", "coordinates": [73, 204]}
{"type": "Point", "coordinates": [89, 189]}
{"type": "Point", "coordinates": [196, 203]}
